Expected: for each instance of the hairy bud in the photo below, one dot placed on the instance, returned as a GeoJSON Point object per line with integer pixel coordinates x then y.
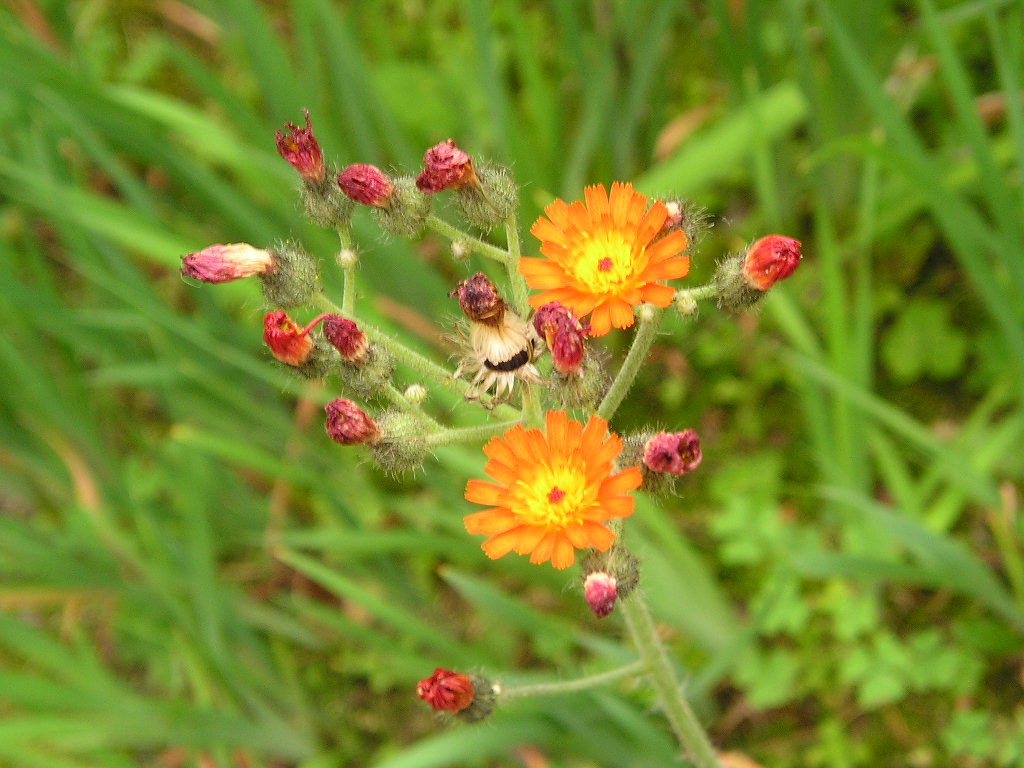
{"type": "Point", "coordinates": [302, 151]}
{"type": "Point", "coordinates": [294, 279]}
{"type": "Point", "coordinates": [366, 184]}
{"type": "Point", "coordinates": [223, 263]}
{"type": "Point", "coordinates": [348, 424]}
{"type": "Point", "coordinates": [408, 209]}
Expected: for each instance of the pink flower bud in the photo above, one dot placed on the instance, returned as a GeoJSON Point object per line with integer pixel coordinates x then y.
{"type": "Point", "coordinates": [223, 263]}
{"type": "Point", "coordinates": [674, 453]}
{"type": "Point", "coordinates": [300, 148]}
{"type": "Point", "coordinates": [446, 691]}
{"type": "Point", "coordinates": [288, 342]}
{"type": "Point", "coordinates": [447, 167]}
{"type": "Point", "coordinates": [600, 590]}
{"type": "Point", "coordinates": [348, 424]}
{"type": "Point", "coordinates": [770, 259]}
{"type": "Point", "coordinates": [367, 185]}
{"type": "Point", "coordinates": [346, 337]}
{"type": "Point", "coordinates": [479, 300]}
{"type": "Point", "coordinates": [564, 334]}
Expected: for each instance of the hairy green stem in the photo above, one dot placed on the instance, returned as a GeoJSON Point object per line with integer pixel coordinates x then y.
{"type": "Point", "coordinates": [348, 266]}
{"type": "Point", "coordinates": [570, 686]}
{"type": "Point", "coordinates": [400, 401]}
{"type": "Point", "coordinates": [469, 434]}
{"type": "Point", "coordinates": [520, 291]}
{"type": "Point", "coordinates": [685, 726]}
{"type": "Point", "coordinates": [453, 233]}
{"type": "Point", "coordinates": [650, 321]}
{"type": "Point", "coordinates": [706, 291]}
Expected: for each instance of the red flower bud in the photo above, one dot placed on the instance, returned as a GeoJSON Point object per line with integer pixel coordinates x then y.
{"type": "Point", "coordinates": [674, 453]}
{"type": "Point", "coordinates": [287, 341]}
{"type": "Point", "coordinates": [222, 263]}
{"type": "Point", "coordinates": [447, 167]}
{"type": "Point", "coordinates": [300, 148]}
{"type": "Point", "coordinates": [479, 300]}
{"type": "Point", "coordinates": [348, 424]}
{"type": "Point", "coordinates": [769, 260]}
{"type": "Point", "coordinates": [446, 691]}
{"type": "Point", "coordinates": [346, 337]}
{"type": "Point", "coordinates": [600, 590]}
{"type": "Point", "coordinates": [367, 185]}
{"type": "Point", "coordinates": [564, 334]}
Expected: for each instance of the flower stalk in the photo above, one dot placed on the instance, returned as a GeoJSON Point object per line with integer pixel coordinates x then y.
{"type": "Point", "coordinates": [677, 710]}
{"type": "Point", "coordinates": [633, 669]}
{"type": "Point", "coordinates": [650, 320]}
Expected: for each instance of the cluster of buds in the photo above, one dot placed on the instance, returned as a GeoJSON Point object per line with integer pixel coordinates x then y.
{"type": "Point", "coordinates": [663, 458]}
{"type": "Point", "coordinates": [742, 279]}
{"type": "Point", "coordinates": [468, 697]}
{"type": "Point", "coordinates": [499, 346]}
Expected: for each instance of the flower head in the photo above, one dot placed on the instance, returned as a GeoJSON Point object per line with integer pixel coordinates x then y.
{"type": "Point", "coordinates": [222, 263]}
{"type": "Point", "coordinates": [500, 345]}
{"type": "Point", "coordinates": [674, 453]}
{"type": "Point", "coordinates": [366, 184]}
{"type": "Point", "coordinates": [552, 490]}
{"type": "Point", "coordinates": [446, 167]}
{"type": "Point", "coordinates": [602, 257]}
{"type": "Point", "coordinates": [300, 148]}
{"type": "Point", "coordinates": [564, 334]}
{"type": "Point", "coordinates": [446, 691]}
{"type": "Point", "coordinates": [288, 342]}
{"type": "Point", "coordinates": [346, 337]}
{"type": "Point", "coordinates": [348, 424]}
{"type": "Point", "coordinates": [770, 259]}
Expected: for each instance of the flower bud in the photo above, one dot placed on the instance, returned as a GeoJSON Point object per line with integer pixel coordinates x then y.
{"type": "Point", "coordinates": [223, 263]}
{"type": "Point", "coordinates": [743, 278]}
{"type": "Point", "coordinates": [415, 393]}
{"type": "Point", "coordinates": [600, 590]}
{"type": "Point", "coordinates": [367, 185]}
{"type": "Point", "coordinates": [289, 343]}
{"type": "Point", "coordinates": [469, 697]}
{"type": "Point", "coordinates": [691, 219]}
{"type": "Point", "coordinates": [686, 305]}
{"type": "Point", "coordinates": [608, 577]}
{"type": "Point", "coordinates": [345, 336]}
{"type": "Point", "coordinates": [673, 453]}
{"type": "Point", "coordinates": [446, 167]}
{"type": "Point", "coordinates": [479, 300]}
{"type": "Point", "coordinates": [294, 278]}
{"type": "Point", "coordinates": [300, 148]}
{"type": "Point", "coordinates": [446, 691]}
{"type": "Point", "coordinates": [348, 424]}
{"type": "Point", "coordinates": [770, 259]}
{"type": "Point", "coordinates": [401, 447]}
{"type": "Point", "coordinates": [564, 334]}
{"type": "Point", "coordinates": [407, 211]}
{"type": "Point", "coordinates": [492, 201]}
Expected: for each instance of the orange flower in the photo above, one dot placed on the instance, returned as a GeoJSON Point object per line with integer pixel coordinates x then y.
{"type": "Point", "coordinates": [600, 257]}
{"type": "Point", "coordinates": [553, 491]}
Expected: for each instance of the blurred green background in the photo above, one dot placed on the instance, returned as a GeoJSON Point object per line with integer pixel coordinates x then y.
{"type": "Point", "coordinates": [842, 582]}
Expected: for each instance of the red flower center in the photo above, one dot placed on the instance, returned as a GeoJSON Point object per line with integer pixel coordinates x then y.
{"type": "Point", "coordinates": [604, 264]}
{"type": "Point", "coordinates": [555, 495]}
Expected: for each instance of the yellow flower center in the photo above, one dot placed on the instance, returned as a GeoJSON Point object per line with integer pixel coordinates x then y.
{"type": "Point", "coordinates": [606, 264]}
{"type": "Point", "coordinates": [553, 496]}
